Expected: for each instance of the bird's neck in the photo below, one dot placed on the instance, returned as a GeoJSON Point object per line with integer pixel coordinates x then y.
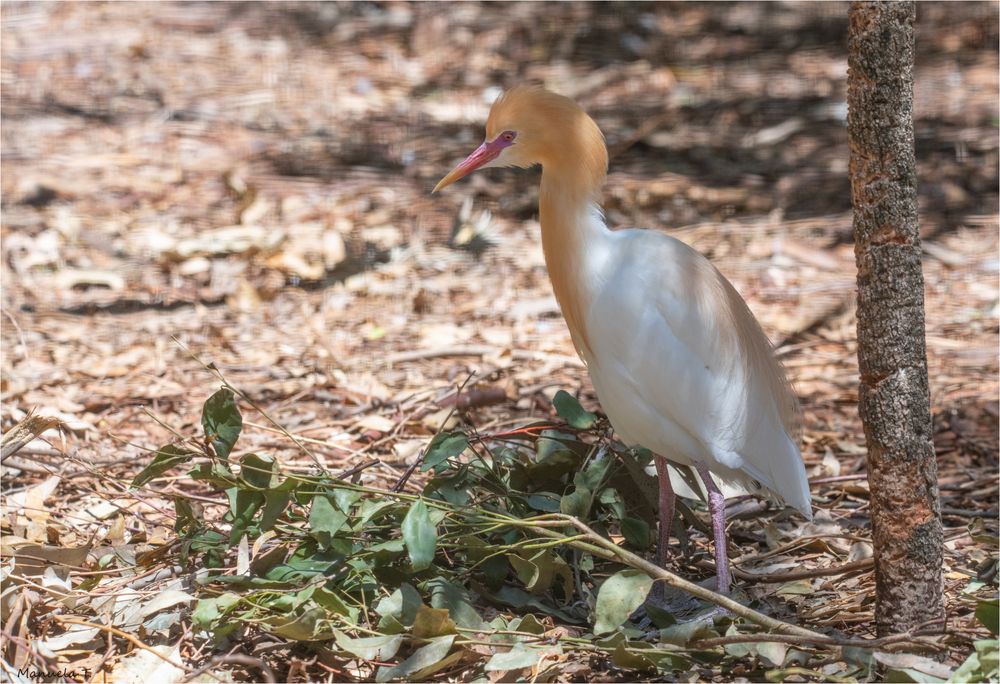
{"type": "Point", "coordinates": [574, 240]}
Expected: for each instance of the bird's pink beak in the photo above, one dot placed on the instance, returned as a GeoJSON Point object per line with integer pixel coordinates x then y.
{"type": "Point", "coordinates": [483, 155]}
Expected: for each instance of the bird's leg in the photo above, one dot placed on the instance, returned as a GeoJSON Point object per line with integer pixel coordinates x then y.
{"type": "Point", "coordinates": [717, 508]}
{"type": "Point", "coordinates": [666, 511]}
{"type": "Point", "coordinates": [666, 522]}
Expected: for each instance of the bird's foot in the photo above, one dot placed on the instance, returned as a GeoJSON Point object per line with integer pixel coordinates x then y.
{"type": "Point", "coordinates": [666, 606]}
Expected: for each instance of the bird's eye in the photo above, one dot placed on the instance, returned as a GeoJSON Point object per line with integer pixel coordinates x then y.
{"type": "Point", "coordinates": [508, 136]}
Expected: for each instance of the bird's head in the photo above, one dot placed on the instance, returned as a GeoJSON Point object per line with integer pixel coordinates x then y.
{"type": "Point", "coordinates": [529, 125]}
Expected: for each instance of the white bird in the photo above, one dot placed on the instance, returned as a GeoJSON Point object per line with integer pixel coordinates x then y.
{"type": "Point", "coordinates": [679, 362]}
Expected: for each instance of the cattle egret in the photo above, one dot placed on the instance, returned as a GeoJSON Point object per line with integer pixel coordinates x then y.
{"type": "Point", "coordinates": [679, 362]}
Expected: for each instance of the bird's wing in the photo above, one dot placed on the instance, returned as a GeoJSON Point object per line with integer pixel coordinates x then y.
{"type": "Point", "coordinates": [687, 368]}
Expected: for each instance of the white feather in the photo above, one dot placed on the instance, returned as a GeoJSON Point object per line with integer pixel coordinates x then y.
{"type": "Point", "coordinates": [668, 375]}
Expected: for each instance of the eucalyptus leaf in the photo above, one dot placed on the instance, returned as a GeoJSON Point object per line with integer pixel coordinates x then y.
{"type": "Point", "coordinates": [369, 648]}
{"type": "Point", "coordinates": [166, 458]}
{"type": "Point", "coordinates": [259, 472]}
{"type": "Point", "coordinates": [592, 476]}
{"type": "Point", "coordinates": [618, 598]}
{"type": "Point", "coordinates": [346, 498]}
{"type": "Point", "coordinates": [630, 656]}
{"type": "Point", "coordinates": [325, 520]}
{"type": "Point", "coordinates": [208, 611]}
{"type": "Point", "coordinates": [222, 421]}
{"type": "Point", "coordinates": [420, 535]}
{"type": "Point", "coordinates": [520, 599]}
{"type": "Point", "coordinates": [577, 503]}
{"type": "Point", "coordinates": [569, 409]}
{"type": "Point", "coordinates": [423, 658]}
{"type": "Point", "coordinates": [310, 624]}
{"type": "Point", "coordinates": [636, 532]}
{"type": "Point", "coordinates": [215, 473]}
{"type": "Point", "coordinates": [245, 507]}
{"type": "Point", "coordinates": [444, 446]}
{"type": "Point", "coordinates": [988, 613]}
{"type": "Point", "coordinates": [456, 601]}
{"type": "Point", "coordinates": [401, 605]}
{"type": "Point", "coordinates": [275, 503]}
{"type": "Point", "coordinates": [520, 656]}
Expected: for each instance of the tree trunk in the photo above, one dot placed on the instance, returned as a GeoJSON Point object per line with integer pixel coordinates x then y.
{"type": "Point", "coordinates": [894, 398]}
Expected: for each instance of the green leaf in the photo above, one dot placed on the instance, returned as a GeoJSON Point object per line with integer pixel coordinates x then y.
{"type": "Point", "coordinates": [988, 613]}
{"type": "Point", "coordinates": [369, 648]}
{"type": "Point", "coordinates": [630, 656]}
{"type": "Point", "coordinates": [423, 659]}
{"type": "Point", "coordinates": [325, 520]}
{"type": "Point", "coordinates": [420, 535]}
{"type": "Point", "coordinates": [520, 599]}
{"type": "Point", "coordinates": [577, 503]}
{"type": "Point", "coordinates": [569, 409]}
{"type": "Point", "coordinates": [982, 665]}
{"type": "Point", "coordinates": [259, 472]}
{"type": "Point", "coordinates": [592, 476]}
{"type": "Point", "coordinates": [618, 597]}
{"type": "Point", "coordinates": [371, 510]}
{"type": "Point", "coordinates": [244, 509]}
{"type": "Point", "coordinates": [166, 458]}
{"type": "Point", "coordinates": [222, 421]}
{"type": "Point", "coordinates": [636, 532]}
{"type": "Point", "coordinates": [456, 601]}
{"type": "Point", "coordinates": [527, 623]}
{"type": "Point", "coordinates": [275, 503]}
{"type": "Point", "coordinates": [330, 601]}
{"type": "Point", "coordinates": [400, 606]}
{"type": "Point", "coordinates": [305, 564]}
{"type": "Point", "coordinates": [610, 497]}
{"type": "Point", "coordinates": [210, 610]}
{"type": "Point", "coordinates": [772, 652]}
{"type": "Point", "coordinates": [547, 502]}
{"type": "Point", "coordinates": [346, 498]}
{"type": "Point", "coordinates": [214, 473]}
{"type": "Point", "coordinates": [310, 624]}
{"type": "Point", "coordinates": [683, 633]}
{"type": "Point", "coordinates": [519, 657]}
{"type": "Point", "coordinates": [445, 445]}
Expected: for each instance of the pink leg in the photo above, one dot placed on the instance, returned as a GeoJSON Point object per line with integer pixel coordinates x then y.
{"type": "Point", "coordinates": [666, 511]}
{"type": "Point", "coordinates": [717, 507]}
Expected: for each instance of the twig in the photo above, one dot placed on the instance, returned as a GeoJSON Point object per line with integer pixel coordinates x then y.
{"type": "Point", "coordinates": [118, 633]}
{"type": "Point", "coordinates": [846, 568]}
{"type": "Point", "coordinates": [838, 478]}
{"type": "Point", "coordinates": [309, 440]}
{"type": "Point", "coordinates": [906, 638]}
{"type": "Point", "coordinates": [236, 659]}
{"type": "Point", "coordinates": [628, 558]}
{"type": "Point", "coordinates": [351, 472]}
{"type": "Point", "coordinates": [519, 354]}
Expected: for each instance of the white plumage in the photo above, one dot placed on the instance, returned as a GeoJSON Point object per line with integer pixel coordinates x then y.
{"type": "Point", "coordinates": [678, 361]}
{"type": "Point", "coordinates": [671, 378]}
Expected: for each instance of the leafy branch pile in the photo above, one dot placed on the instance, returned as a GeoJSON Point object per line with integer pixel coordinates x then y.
{"type": "Point", "coordinates": [480, 574]}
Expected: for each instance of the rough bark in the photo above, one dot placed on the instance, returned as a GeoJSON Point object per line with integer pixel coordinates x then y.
{"type": "Point", "coordinates": [894, 398]}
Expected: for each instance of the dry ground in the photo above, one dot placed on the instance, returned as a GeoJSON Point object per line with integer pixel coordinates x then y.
{"type": "Point", "coordinates": [248, 185]}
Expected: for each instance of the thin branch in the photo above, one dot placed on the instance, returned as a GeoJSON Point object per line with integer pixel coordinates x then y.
{"type": "Point", "coordinates": [118, 633]}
